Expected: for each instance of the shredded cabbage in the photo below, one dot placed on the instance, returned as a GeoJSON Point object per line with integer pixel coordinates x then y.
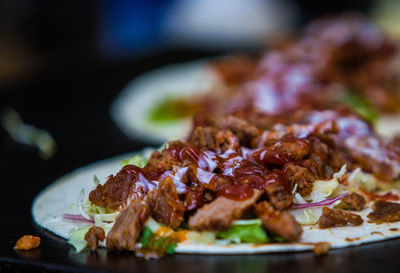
{"type": "Point", "coordinates": [305, 217]}
{"type": "Point", "coordinates": [322, 189]}
{"type": "Point", "coordinates": [136, 160]}
{"type": "Point", "coordinates": [359, 178]}
{"type": "Point", "coordinates": [298, 199]}
{"type": "Point", "coordinates": [152, 224]}
{"type": "Point", "coordinates": [205, 237]}
{"type": "Point", "coordinates": [77, 238]}
{"type": "Point", "coordinates": [96, 180]}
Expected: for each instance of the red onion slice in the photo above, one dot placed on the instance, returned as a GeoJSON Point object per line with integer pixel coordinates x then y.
{"type": "Point", "coordinates": [325, 202]}
{"type": "Point", "coordinates": [76, 217]}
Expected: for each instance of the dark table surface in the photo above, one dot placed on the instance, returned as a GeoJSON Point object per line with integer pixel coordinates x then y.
{"type": "Point", "coordinates": [72, 103]}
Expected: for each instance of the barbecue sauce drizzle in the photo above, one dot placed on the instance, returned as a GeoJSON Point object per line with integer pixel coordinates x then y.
{"type": "Point", "coordinates": [241, 174]}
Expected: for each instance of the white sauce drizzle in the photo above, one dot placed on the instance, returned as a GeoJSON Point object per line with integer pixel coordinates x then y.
{"type": "Point", "coordinates": [146, 184]}
{"type": "Point", "coordinates": [207, 161]}
{"type": "Point", "coordinates": [177, 179]}
{"type": "Point", "coordinates": [204, 176]}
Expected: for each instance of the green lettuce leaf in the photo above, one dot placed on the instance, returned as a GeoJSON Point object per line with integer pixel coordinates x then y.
{"type": "Point", "coordinates": [245, 233]}
{"type": "Point", "coordinates": [136, 160]}
{"type": "Point", "coordinates": [361, 106]}
{"type": "Point", "coordinates": [150, 241]}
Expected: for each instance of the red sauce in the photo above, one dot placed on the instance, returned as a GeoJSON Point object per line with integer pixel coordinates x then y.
{"type": "Point", "coordinates": [255, 181]}
{"type": "Point", "coordinates": [194, 198]}
{"type": "Point", "coordinates": [276, 177]}
{"type": "Point", "coordinates": [189, 152]}
{"type": "Point", "coordinates": [388, 196]}
{"type": "Point", "coordinates": [247, 168]}
{"type": "Point", "coordinates": [269, 156]}
{"type": "Point", "coordinates": [235, 191]}
{"type": "Point", "coordinates": [152, 174]}
{"type": "Point", "coordinates": [132, 170]}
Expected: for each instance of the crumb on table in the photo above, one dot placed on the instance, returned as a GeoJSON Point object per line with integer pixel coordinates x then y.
{"type": "Point", "coordinates": [27, 242]}
{"type": "Point", "coordinates": [321, 248]}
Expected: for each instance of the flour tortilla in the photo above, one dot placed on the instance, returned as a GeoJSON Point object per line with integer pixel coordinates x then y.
{"type": "Point", "coordinates": [55, 200]}
{"type": "Point", "coordinates": [131, 108]}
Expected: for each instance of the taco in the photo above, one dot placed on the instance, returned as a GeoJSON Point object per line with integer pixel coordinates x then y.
{"type": "Point", "coordinates": [313, 180]}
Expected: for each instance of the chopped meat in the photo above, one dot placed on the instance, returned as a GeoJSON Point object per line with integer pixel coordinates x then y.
{"type": "Point", "coordinates": [27, 242]}
{"type": "Point", "coordinates": [279, 196]}
{"type": "Point", "coordinates": [167, 158]}
{"type": "Point", "coordinates": [115, 191]}
{"type": "Point", "coordinates": [321, 248]}
{"type": "Point", "coordinates": [204, 138]}
{"type": "Point", "coordinates": [354, 201]}
{"type": "Point", "coordinates": [267, 138]}
{"type": "Point", "coordinates": [338, 217]}
{"type": "Point", "coordinates": [210, 138]}
{"type": "Point", "coordinates": [225, 140]}
{"type": "Point", "coordinates": [195, 198]}
{"type": "Point", "coordinates": [165, 205]}
{"type": "Point", "coordinates": [244, 131]}
{"type": "Point", "coordinates": [319, 150]}
{"type": "Point", "coordinates": [384, 211]}
{"type": "Point", "coordinates": [235, 69]}
{"type": "Point", "coordinates": [300, 176]}
{"type": "Point", "coordinates": [278, 223]}
{"type": "Point", "coordinates": [94, 236]}
{"type": "Point", "coordinates": [128, 225]}
{"type": "Point", "coordinates": [286, 150]}
{"type": "Point", "coordinates": [219, 214]}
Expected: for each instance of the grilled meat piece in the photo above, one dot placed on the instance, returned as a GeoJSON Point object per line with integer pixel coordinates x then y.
{"type": "Point", "coordinates": [164, 204]}
{"type": "Point", "coordinates": [295, 174]}
{"type": "Point", "coordinates": [384, 211]}
{"type": "Point", "coordinates": [338, 217]}
{"type": "Point", "coordinates": [278, 223]}
{"type": "Point", "coordinates": [128, 225]}
{"type": "Point", "coordinates": [116, 190]}
{"type": "Point", "coordinates": [354, 201]}
{"type": "Point", "coordinates": [94, 236]}
{"type": "Point", "coordinates": [279, 196]}
{"type": "Point", "coordinates": [219, 214]}
{"type": "Point", "coordinates": [241, 128]}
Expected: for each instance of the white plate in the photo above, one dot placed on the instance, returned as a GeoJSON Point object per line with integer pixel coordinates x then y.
{"type": "Point", "coordinates": [130, 110]}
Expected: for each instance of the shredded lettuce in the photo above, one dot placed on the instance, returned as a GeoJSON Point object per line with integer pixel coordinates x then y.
{"type": "Point", "coordinates": [77, 238]}
{"type": "Point", "coordinates": [251, 232]}
{"type": "Point", "coordinates": [136, 160]}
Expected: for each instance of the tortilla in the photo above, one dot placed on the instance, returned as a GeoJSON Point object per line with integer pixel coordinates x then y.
{"type": "Point", "coordinates": [130, 110]}
{"type": "Point", "coordinates": [55, 200]}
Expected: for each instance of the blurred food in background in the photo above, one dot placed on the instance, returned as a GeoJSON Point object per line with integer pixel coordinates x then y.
{"type": "Point", "coordinates": [340, 62]}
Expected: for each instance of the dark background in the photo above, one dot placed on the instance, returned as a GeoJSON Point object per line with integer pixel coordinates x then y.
{"type": "Point", "coordinates": [61, 65]}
